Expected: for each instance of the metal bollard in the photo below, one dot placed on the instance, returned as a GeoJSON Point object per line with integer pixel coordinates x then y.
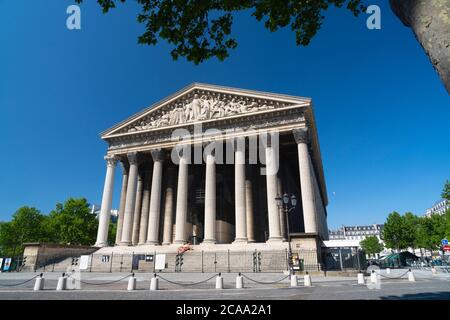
{"type": "Point", "coordinates": [62, 283]}
{"type": "Point", "coordinates": [39, 284]}
{"type": "Point", "coordinates": [433, 271]}
{"type": "Point", "coordinates": [361, 278]}
{"type": "Point", "coordinates": [373, 277]}
{"type": "Point", "coordinates": [219, 281]}
{"type": "Point", "coordinates": [388, 270]}
{"type": "Point", "coordinates": [239, 281]}
{"type": "Point", "coordinates": [131, 283]}
{"type": "Point", "coordinates": [154, 283]}
{"type": "Point", "coordinates": [411, 276]}
{"type": "Point", "coordinates": [294, 280]}
{"type": "Point", "coordinates": [307, 280]}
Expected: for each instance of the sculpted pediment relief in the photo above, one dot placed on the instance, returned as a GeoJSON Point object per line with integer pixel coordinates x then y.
{"type": "Point", "coordinates": [198, 105]}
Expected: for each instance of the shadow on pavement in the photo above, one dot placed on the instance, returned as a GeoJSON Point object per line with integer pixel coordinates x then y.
{"type": "Point", "coordinates": [442, 295]}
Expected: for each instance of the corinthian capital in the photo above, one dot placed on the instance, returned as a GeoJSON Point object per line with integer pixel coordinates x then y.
{"type": "Point", "coordinates": [157, 155]}
{"type": "Point", "coordinates": [110, 160]}
{"type": "Point", "coordinates": [301, 135]}
{"type": "Point", "coordinates": [132, 158]}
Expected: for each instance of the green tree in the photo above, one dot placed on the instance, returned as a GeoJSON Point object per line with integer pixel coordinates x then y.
{"type": "Point", "coordinates": [112, 233]}
{"type": "Point", "coordinates": [26, 226]}
{"type": "Point", "coordinates": [430, 232]}
{"type": "Point", "coordinates": [371, 245]}
{"type": "Point", "coordinates": [395, 233]}
{"type": "Point", "coordinates": [411, 224]}
{"type": "Point", "coordinates": [72, 223]}
{"type": "Point", "coordinates": [446, 191]}
{"type": "Point", "coordinates": [200, 29]}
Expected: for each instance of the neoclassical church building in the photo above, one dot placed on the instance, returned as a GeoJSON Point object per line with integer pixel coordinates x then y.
{"type": "Point", "coordinates": [206, 165]}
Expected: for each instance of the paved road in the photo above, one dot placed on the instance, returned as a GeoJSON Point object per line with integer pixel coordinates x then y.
{"type": "Point", "coordinates": [426, 287]}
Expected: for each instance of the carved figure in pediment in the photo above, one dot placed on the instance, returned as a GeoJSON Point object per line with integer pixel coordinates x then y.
{"type": "Point", "coordinates": [205, 108]}
{"type": "Point", "coordinates": [196, 107]}
{"type": "Point", "coordinates": [230, 108]}
{"type": "Point", "coordinates": [217, 107]}
{"type": "Point", "coordinates": [163, 120]}
{"type": "Point", "coordinates": [188, 113]}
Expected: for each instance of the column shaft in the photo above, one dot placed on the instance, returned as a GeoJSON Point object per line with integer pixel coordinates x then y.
{"type": "Point", "coordinates": [182, 196]}
{"type": "Point", "coordinates": [210, 200]}
{"type": "Point", "coordinates": [306, 184]}
{"type": "Point", "coordinates": [168, 208]}
{"type": "Point", "coordinates": [271, 180]}
{"type": "Point", "coordinates": [281, 213]}
{"type": "Point", "coordinates": [137, 209]}
{"type": "Point", "coordinates": [239, 195]}
{"type": "Point", "coordinates": [130, 201]}
{"type": "Point", "coordinates": [145, 206]}
{"type": "Point", "coordinates": [249, 211]}
{"type": "Point", "coordinates": [123, 198]}
{"type": "Point", "coordinates": [105, 210]}
{"type": "Point", "coordinates": [155, 199]}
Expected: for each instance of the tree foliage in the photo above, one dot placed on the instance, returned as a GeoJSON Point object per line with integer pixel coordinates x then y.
{"type": "Point", "coordinates": [394, 233]}
{"type": "Point", "coordinates": [446, 191]}
{"type": "Point", "coordinates": [25, 226]}
{"type": "Point", "coordinates": [371, 245]}
{"type": "Point", "coordinates": [69, 223]}
{"type": "Point", "coordinates": [72, 223]}
{"type": "Point", "coordinates": [200, 29]}
{"type": "Point", "coordinates": [414, 231]}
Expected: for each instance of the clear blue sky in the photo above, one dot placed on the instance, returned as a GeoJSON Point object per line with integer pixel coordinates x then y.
{"type": "Point", "coordinates": [382, 112]}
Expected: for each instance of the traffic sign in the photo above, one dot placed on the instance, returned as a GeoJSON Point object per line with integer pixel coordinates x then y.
{"type": "Point", "coordinates": [447, 248]}
{"type": "Point", "coordinates": [444, 242]}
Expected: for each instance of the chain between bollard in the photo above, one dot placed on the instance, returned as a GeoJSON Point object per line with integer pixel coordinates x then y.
{"type": "Point", "coordinates": [102, 283]}
{"type": "Point", "coordinates": [394, 277]}
{"type": "Point", "coordinates": [18, 284]}
{"type": "Point", "coordinates": [187, 284]}
{"type": "Point", "coordinates": [261, 282]}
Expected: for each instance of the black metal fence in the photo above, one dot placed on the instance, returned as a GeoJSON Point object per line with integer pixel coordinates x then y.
{"type": "Point", "coordinates": [195, 261]}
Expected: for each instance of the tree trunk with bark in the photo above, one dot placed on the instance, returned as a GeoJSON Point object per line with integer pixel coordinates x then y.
{"type": "Point", "coordinates": [430, 22]}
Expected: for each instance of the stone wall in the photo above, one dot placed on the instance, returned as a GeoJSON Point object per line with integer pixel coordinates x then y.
{"type": "Point", "coordinates": [40, 254]}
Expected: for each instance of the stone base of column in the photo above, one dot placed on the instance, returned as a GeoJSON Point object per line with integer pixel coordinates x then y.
{"type": "Point", "coordinates": [240, 241]}
{"type": "Point", "coordinates": [180, 242]}
{"type": "Point", "coordinates": [209, 241]}
{"type": "Point", "coordinates": [251, 240]}
{"type": "Point", "coordinates": [101, 244]}
{"type": "Point", "coordinates": [152, 243]}
{"type": "Point", "coordinates": [127, 243]}
{"type": "Point", "coordinates": [274, 239]}
{"type": "Point", "coordinates": [166, 243]}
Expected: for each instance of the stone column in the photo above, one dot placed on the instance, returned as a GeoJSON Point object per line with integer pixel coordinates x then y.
{"type": "Point", "coordinates": [239, 192]}
{"type": "Point", "coordinates": [281, 213]}
{"type": "Point", "coordinates": [249, 210]}
{"type": "Point", "coordinates": [123, 197]}
{"type": "Point", "coordinates": [271, 181]}
{"type": "Point", "coordinates": [155, 198]}
{"type": "Point", "coordinates": [306, 183]}
{"type": "Point", "coordinates": [145, 205]}
{"type": "Point", "coordinates": [168, 208]}
{"type": "Point", "coordinates": [182, 197]}
{"type": "Point", "coordinates": [105, 211]}
{"type": "Point", "coordinates": [210, 199]}
{"type": "Point", "coordinates": [130, 200]}
{"type": "Point", "coordinates": [137, 208]}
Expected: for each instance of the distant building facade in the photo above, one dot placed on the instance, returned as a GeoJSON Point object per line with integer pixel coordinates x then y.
{"type": "Point", "coordinates": [439, 207]}
{"type": "Point", "coordinates": [349, 237]}
{"type": "Point", "coordinates": [356, 232]}
{"type": "Point", "coordinates": [96, 209]}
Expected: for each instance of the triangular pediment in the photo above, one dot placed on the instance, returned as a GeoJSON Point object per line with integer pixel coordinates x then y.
{"type": "Point", "coordinates": [202, 103]}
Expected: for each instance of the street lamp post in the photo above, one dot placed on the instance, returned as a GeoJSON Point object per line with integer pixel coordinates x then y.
{"type": "Point", "coordinates": [288, 203]}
